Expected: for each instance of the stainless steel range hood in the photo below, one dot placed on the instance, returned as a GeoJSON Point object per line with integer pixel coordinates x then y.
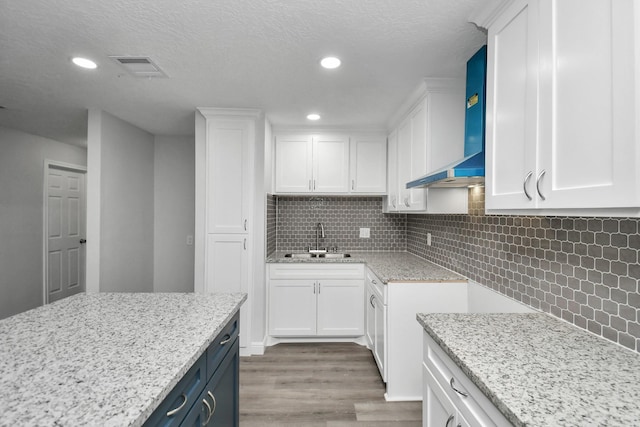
{"type": "Point", "coordinates": [468, 171]}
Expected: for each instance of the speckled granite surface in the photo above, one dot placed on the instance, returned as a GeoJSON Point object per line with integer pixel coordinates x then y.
{"type": "Point", "coordinates": [540, 371]}
{"type": "Point", "coordinates": [103, 359]}
{"type": "Point", "coordinates": [388, 266]}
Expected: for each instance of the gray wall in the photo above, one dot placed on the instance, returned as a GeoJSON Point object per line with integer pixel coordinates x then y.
{"type": "Point", "coordinates": [21, 214]}
{"type": "Point", "coordinates": [174, 217]}
{"type": "Point", "coordinates": [583, 270]}
{"type": "Point", "coordinates": [126, 212]}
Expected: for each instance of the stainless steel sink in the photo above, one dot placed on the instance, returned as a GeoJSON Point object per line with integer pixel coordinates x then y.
{"type": "Point", "coordinates": [324, 255]}
{"type": "Point", "coordinates": [334, 255]}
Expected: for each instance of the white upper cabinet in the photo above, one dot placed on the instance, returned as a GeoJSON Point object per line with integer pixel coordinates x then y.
{"type": "Point", "coordinates": [293, 168]}
{"type": "Point", "coordinates": [229, 174]}
{"type": "Point", "coordinates": [330, 164]}
{"type": "Point", "coordinates": [368, 165]}
{"type": "Point", "coordinates": [562, 108]}
{"type": "Point", "coordinates": [429, 137]}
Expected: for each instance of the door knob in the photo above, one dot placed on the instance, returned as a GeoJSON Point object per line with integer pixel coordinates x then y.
{"type": "Point", "coordinates": [83, 241]}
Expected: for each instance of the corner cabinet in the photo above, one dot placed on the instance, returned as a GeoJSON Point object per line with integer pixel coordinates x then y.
{"type": "Point", "coordinates": [563, 122]}
{"type": "Point", "coordinates": [430, 136]}
{"type": "Point", "coordinates": [316, 300]}
{"type": "Point", "coordinates": [225, 139]}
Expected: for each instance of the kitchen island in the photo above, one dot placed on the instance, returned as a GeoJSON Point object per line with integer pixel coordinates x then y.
{"type": "Point", "coordinates": [535, 369]}
{"type": "Point", "coordinates": [106, 359]}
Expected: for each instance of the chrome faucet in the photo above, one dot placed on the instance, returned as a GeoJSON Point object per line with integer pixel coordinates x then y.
{"type": "Point", "coordinates": [319, 234]}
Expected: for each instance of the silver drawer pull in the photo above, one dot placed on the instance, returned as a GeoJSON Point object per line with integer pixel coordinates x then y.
{"type": "Point", "coordinates": [461, 393]}
{"type": "Point", "coordinates": [524, 185]}
{"type": "Point", "coordinates": [213, 399]}
{"type": "Point", "coordinates": [172, 412]}
{"type": "Point", "coordinates": [538, 184]}
{"type": "Point", "coordinates": [204, 423]}
{"type": "Point", "coordinates": [226, 340]}
{"type": "Point", "coordinates": [451, 417]}
{"type": "Point", "coordinates": [374, 282]}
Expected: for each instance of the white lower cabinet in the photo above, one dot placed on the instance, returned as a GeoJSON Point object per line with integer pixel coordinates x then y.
{"type": "Point", "coordinates": [450, 398]}
{"type": "Point", "coordinates": [376, 322]}
{"type": "Point", "coordinates": [316, 300]}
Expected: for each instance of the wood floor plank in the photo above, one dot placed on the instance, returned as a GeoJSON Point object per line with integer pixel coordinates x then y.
{"type": "Point", "coordinates": [318, 385]}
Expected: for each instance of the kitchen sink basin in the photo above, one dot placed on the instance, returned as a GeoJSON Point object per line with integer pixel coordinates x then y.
{"type": "Point", "coordinates": [323, 255]}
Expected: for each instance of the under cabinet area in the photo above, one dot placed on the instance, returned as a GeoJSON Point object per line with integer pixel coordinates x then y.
{"type": "Point", "coordinates": [316, 300]}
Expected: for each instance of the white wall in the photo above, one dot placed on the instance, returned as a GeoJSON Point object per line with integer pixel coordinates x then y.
{"type": "Point", "coordinates": [174, 217]}
{"type": "Point", "coordinates": [21, 214]}
{"type": "Point", "coordinates": [120, 195]}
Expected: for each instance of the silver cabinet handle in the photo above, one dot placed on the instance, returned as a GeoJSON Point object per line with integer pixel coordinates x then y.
{"type": "Point", "coordinates": [318, 287]}
{"type": "Point", "coordinates": [371, 301]}
{"type": "Point", "coordinates": [406, 202]}
{"type": "Point", "coordinates": [245, 225]}
{"type": "Point", "coordinates": [213, 399]}
{"type": "Point", "coordinates": [204, 401]}
{"type": "Point", "coordinates": [176, 410]}
{"type": "Point", "coordinates": [524, 184]}
{"type": "Point", "coordinates": [374, 281]}
{"type": "Point", "coordinates": [353, 184]}
{"type": "Point", "coordinates": [451, 417]}
{"type": "Point", "coordinates": [314, 184]}
{"type": "Point", "coordinates": [226, 339]}
{"type": "Point", "coordinates": [461, 393]}
{"type": "Point", "coordinates": [540, 175]}
{"type": "Point", "coordinates": [314, 287]}
{"type": "Point", "coordinates": [393, 202]}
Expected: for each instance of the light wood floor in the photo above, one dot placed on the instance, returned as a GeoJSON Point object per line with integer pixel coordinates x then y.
{"type": "Point", "coordinates": [318, 385]}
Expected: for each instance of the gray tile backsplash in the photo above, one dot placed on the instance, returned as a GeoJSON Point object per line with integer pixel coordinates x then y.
{"type": "Point", "coordinates": [583, 270]}
{"type": "Point", "coordinates": [295, 219]}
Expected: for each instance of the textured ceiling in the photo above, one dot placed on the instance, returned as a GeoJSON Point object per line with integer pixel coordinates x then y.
{"type": "Point", "coordinates": [224, 53]}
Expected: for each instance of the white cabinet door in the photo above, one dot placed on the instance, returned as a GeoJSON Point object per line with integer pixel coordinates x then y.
{"type": "Point", "coordinates": [589, 146]}
{"type": "Point", "coordinates": [292, 307]}
{"type": "Point", "coordinates": [437, 409]}
{"type": "Point", "coordinates": [330, 164]}
{"type": "Point", "coordinates": [370, 318]}
{"type": "Point", "coordinates": [392, 172]}
{"type": "Point", "coordinates": [412, 159]}
{"type": "Point", "coordinates": [227, 270]}
{"type": "Point", "coordinates": [293, 166]}
{"type": "Point", "coordinates": [512, 64]}
{"type": "Point", "coordinates": [380, 337]}
{"type": "Point", "coordinates": [340, 307]}
{"type": "Point", "coordinates": [229, 175]}
{"type": "Point", "coordinates": [368, 169]}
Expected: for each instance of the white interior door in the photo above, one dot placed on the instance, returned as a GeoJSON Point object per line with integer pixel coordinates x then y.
{"type": "Point", "coordinates": [65, 232]}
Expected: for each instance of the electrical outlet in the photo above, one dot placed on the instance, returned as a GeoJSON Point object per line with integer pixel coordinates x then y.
{"type": "Point", "coordinates": [365, 233]}
{"type": "Point", "coordinates": [428, 239]}
{"type": "Point", "coordinates": [189, 240]}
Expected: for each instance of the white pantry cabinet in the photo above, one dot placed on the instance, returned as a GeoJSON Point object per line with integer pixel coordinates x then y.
{"type": "Point", "coordinates": [563, 90]}
{"type": "Point", "coordinates": [225, 138]}
{"type": "Point", "coordinates": [368, 164]}
{"type": "Point", "coordinates": [316, 300]}
{"type": "Point", "coordinates": [429, 137]}
{"type": "Point", "coordinates": [312, 163]}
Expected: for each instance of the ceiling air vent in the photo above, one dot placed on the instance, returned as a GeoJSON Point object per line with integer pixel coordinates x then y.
{"type": "Point", "coordinates": [139, 66]}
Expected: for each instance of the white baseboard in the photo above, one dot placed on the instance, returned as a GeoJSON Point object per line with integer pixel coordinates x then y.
{"type": "Point", "coordinates": [278, 340]}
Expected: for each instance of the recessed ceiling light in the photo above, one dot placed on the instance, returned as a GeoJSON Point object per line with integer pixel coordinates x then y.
{"type": "Point", "coordinates": [84, 63]}
{"type": "Point", "coordinates": [330, 62]}
{"type": "Point", "coordinates": [313, 117]}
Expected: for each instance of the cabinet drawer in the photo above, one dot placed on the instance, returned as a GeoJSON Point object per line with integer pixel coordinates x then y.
{"type": "Point", "coordinates": [475, 406]}
{"type": "Point", "coordinates": [316, 271]}
{"type": "Point", "coordinates": [221, 344]}
{"type": "Point", "coordinates": [182, 396]}
{"type": "Point", "coordinates": [376, 284]}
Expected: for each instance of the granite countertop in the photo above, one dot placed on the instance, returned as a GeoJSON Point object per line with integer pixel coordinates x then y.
{"type": "Point", "coordinates": [388, 266]}
{"type": "Point", "coordinates": [104, 359]}
{"type": "Point", "coordinates": [541, 371]}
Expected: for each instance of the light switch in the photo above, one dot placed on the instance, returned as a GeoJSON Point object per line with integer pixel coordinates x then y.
{"type": "Point", "coordinates": [365, 233]}
{"type": "Point", "coordinates": [428, 239]}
